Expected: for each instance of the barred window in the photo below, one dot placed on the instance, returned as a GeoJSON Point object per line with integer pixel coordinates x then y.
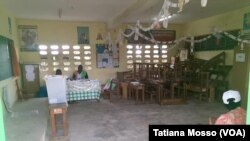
{"type": "Point", "coordinates": [145, 54]}
{"type": "Point", "coordinates": [64, 57]}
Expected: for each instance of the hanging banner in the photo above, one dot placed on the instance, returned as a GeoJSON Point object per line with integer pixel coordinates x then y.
{"type": "Point", "coordinates": [164, 35]}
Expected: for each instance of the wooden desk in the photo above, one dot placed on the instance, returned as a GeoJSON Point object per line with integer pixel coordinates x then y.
{"type": "Point", "coordinates": [211, 97]}
{"type": "Point", "coordinates": [124, 86]}
{"type": "Point", "coordinates": [159, 85]}
{"type": "Point", "coordinates": [138, 88]}
{"type": "Point", "coordinates": [177, 84]}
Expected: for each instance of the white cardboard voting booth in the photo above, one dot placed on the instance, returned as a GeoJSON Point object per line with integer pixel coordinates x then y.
{"type": "Point", "coordinates": [56, 88]}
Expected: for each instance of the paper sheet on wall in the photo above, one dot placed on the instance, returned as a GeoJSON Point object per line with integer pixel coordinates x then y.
{"type": "Point", "coordinates": [30, 75]}
{"type": "Point", "coordinates": [107, 56]}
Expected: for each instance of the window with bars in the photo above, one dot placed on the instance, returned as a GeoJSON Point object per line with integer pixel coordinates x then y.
{"type": "Point", "coordinates": [64, 57]}
{"type": "Point", "coordinates": [146, 54]}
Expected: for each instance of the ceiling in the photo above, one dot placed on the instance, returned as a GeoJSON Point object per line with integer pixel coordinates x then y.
{"type": "Point", "coordinates": [114, 12]}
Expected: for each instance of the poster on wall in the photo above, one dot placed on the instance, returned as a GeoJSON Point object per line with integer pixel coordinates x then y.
{"type": "Point", "coordinates": [240, 57]}
{"type": "Point", "coordinates": [83, 35]}
{"type": "Point", "coordinates": [246, 23]}
{"type": "Point", "coordinates": [107, 56]}
{"type": "Point", "coordinates": [28, 38]}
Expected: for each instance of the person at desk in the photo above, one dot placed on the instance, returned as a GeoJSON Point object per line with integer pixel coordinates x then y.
{"type": "Point", "coordinates": [80, 74]}
{"type": "Point", "coordinates": [236, 115]}
{"type": "Point", "coordinates": [58, 72]}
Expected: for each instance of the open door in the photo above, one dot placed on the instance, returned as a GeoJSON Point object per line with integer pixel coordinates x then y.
{"type": "Point", "coordinates": [30, 80]}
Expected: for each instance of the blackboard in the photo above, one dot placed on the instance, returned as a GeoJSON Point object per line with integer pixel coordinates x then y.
{"type": "Point", "coordinates": [214, 43]}
{"type": "Point", "coordinates": [5, 59]}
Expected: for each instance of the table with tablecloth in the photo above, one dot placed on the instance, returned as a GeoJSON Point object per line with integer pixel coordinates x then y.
{"type": "Point", "coordinates": [83, 90]}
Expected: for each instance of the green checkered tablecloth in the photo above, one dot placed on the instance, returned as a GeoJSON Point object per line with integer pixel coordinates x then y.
{"type": "Point", "coordinates": [83, 95]}
{"type": "Point", "coordinates": [83, 90]}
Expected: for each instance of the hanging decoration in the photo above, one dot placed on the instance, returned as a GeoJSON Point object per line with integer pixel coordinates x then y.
{"type": "Point", "coordinates": [216, 33]}
{"type": "Point", "coordinates": [108, 39]}
{"type": "Point", "coordinates": [203, 3]}
{"type": "Point", "coordinates": [137, 32]}
{"type": "Point", "coordinates": [181, 5]}
{"type": "Point", "coordinates": [242, 46]}
{"type": "Point", "coordinates": [164, 14]}
{"type": "Point", "coordinates": [192, 44]}
{"type": "Point", "coordinates": [119, 38]}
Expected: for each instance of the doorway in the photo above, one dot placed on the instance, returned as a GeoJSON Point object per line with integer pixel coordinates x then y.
{"type": "Point", "coordinates": [30, 80]}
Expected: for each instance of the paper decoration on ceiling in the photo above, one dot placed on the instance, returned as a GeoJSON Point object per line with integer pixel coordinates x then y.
{"type": "Point", "coordinates": [164, 13]}
{"type": "Point", "coordinates": [203, 3]}
{"type": "Point", "coordinates": [217, 33]}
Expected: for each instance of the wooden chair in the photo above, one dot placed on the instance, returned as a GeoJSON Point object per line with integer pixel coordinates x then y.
{"type": "Point", "coordinates": [151, 90]}
{"type": "Point", "coordinates": [112, 89]}
{"type": "Point", "coordinates": [199, 84]}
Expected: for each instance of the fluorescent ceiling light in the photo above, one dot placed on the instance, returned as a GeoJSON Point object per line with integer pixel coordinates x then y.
{"type": "Point", "coordinates": [164, 18]}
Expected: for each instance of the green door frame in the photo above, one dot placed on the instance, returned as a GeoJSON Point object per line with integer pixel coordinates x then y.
{"type": "Point", "coordinates": [248, 102]}
{"type": "Point", "coordinates": [2, 132]}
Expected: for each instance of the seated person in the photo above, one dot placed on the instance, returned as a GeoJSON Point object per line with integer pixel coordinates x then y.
{"type": "Point", "coordinates": [236, 115]}
{"type": "Point", "coordinates": [80, 74]}
{"type": "Point", "coordinates": [58, 72]}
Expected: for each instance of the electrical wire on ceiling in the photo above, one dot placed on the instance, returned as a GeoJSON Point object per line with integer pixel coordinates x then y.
{"type": "Point", "coordinates": [60, 13]}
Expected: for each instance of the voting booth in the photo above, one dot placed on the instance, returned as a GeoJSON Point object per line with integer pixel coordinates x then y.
{"type": "Point", "coordinates": [56, 88]}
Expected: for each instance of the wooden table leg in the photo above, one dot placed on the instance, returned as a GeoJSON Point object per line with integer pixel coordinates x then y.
{"type": "Point", "coordinates": [143, 94]}
{"type": "Point", "coordinates": [54, 111]}
{"type": "Point", "coordinates": [136, 94]}
{"type": "Point", "coordinates": [65, 123]}
{"type": "Point", "coordinates": [53, 124]}
{"type": "Point", "coordinates": [125, 90]}
{"type": "Point", "coordinates": [159, 93]}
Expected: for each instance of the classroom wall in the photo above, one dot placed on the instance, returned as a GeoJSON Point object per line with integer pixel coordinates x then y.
{"type": "Point", "coordinates": [224, 22]}
{"type": "Point", "coordinates": [4, 31]}
{"type": "Point", "coordinates": [65, 32]}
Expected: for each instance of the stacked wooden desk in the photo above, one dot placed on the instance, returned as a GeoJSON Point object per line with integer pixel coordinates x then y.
{"type": "Point", "coordinates": [136, 88]}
